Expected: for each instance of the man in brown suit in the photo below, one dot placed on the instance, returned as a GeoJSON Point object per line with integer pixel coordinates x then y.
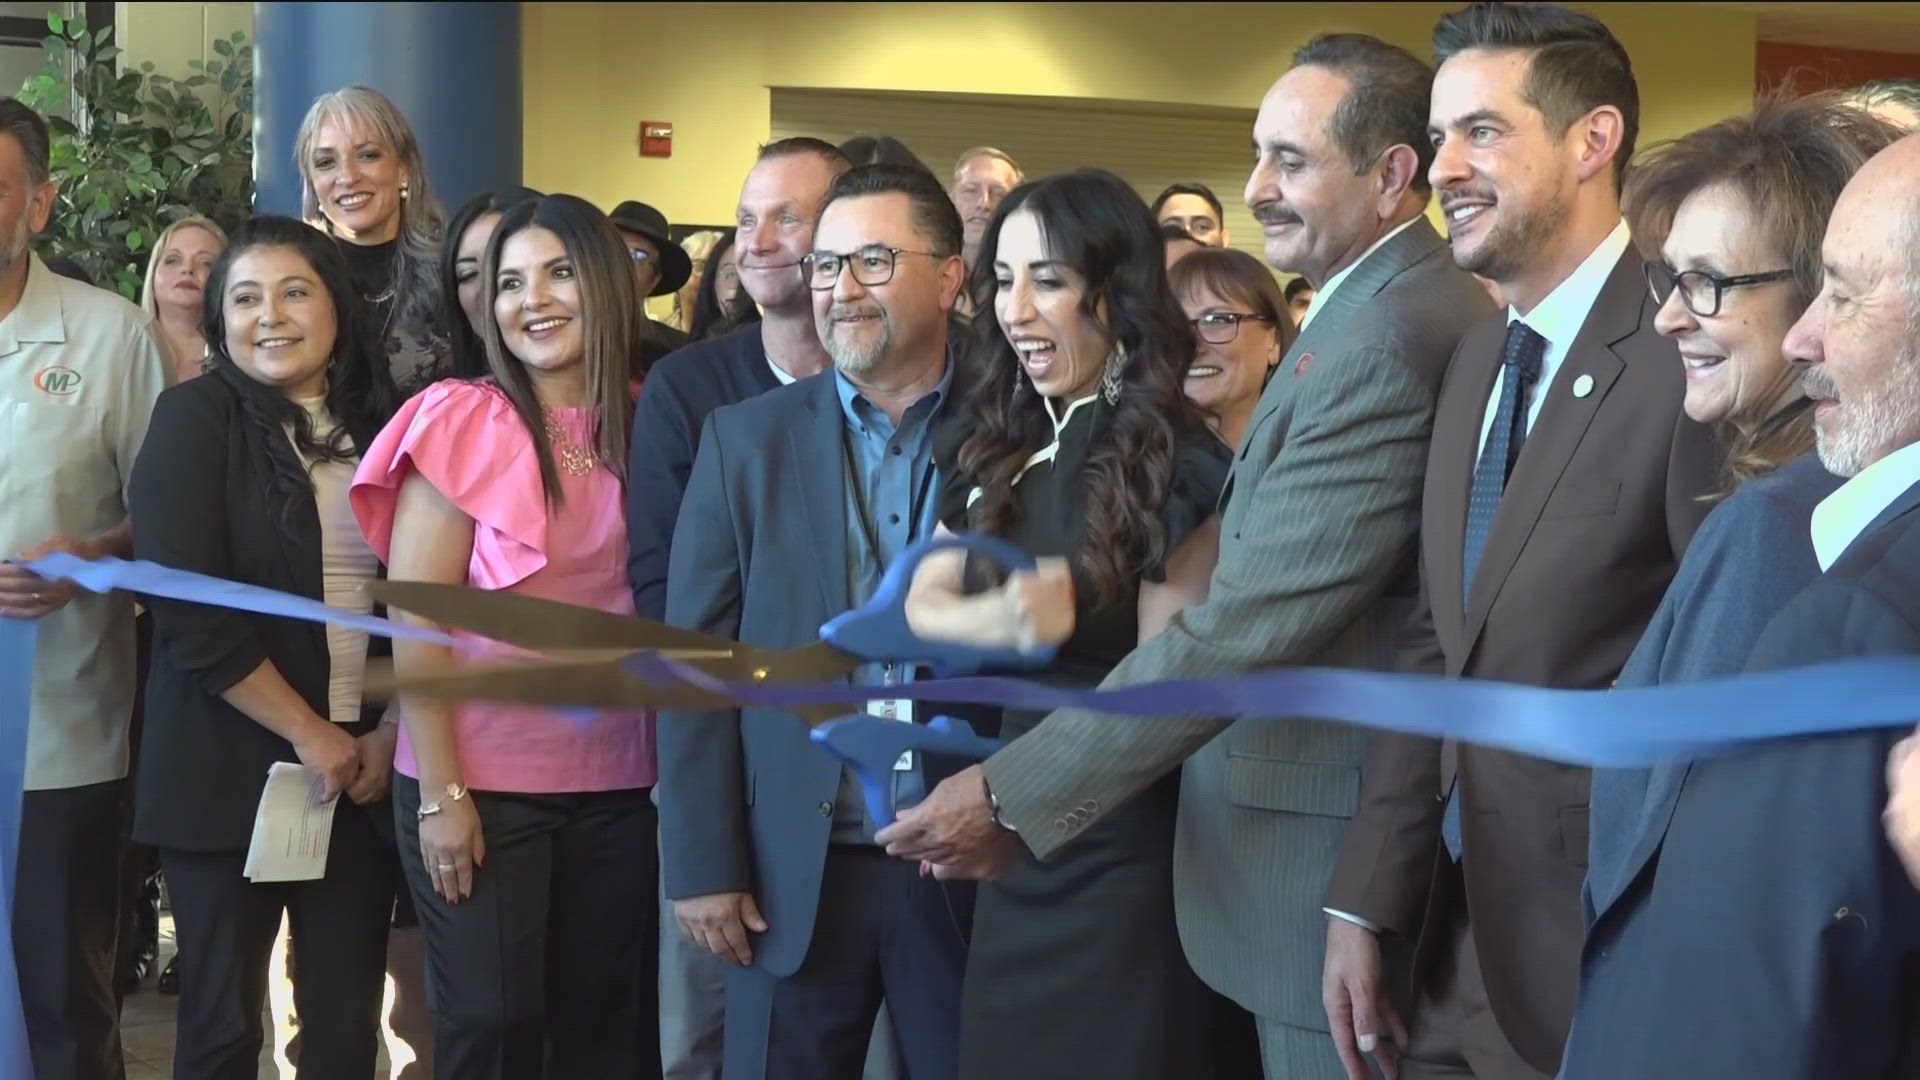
{"type": "Point", "coordinates": [1563, 484]}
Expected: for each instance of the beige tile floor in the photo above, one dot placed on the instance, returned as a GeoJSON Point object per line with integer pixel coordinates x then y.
{"type": "Point", "coordinates": [147, 1024]}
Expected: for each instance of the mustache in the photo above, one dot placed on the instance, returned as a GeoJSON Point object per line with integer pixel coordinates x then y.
{"type": "Point", "coordinates": [1272, 213]}
{"type": "Point", "coordinates": [1453, 196]}
{"type": "Point", "coordinates": [1815, 383]}
{"type": "Point", "coordinates": [845, 311]}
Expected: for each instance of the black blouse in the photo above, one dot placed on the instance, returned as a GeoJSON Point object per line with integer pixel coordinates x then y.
{"type": "Point", "coordinates": [1053, 519]}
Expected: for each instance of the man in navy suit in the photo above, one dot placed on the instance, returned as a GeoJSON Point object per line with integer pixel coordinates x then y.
{"type": "Point", "coordinates": [799, 500]}
{"type": "Point", "coordinates": [1773, 932]}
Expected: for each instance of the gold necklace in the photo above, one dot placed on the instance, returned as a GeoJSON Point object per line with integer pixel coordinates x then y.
{"type": "Point", "coordinates": [574, 459]}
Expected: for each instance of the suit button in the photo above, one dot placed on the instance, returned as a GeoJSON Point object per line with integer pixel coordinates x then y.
{"type": "Point", "coordinates": [826, 809]}
{"type": "Point", "coordinates": [1089, 806]}
{"type": "Point", "coordinates": [1063, 825]}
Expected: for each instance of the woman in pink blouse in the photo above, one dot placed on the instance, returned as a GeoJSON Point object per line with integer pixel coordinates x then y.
{"type": "Point", "coordinates": [527, 835]}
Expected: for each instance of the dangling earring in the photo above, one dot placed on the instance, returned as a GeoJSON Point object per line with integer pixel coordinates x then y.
{"type": "Point", "coordinates": [405, 192]}
{"type": "Point", "coordinates": [1110, 381]}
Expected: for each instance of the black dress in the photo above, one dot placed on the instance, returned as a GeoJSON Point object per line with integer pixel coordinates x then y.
{"type": "Point", "coordinates": [1075, 967]}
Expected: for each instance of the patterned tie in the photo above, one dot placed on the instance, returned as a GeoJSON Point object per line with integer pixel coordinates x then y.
{"type": "Point", "coordinates": [1520, 369]}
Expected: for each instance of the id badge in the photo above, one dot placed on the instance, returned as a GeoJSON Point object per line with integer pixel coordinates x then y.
{"type": "Point", "coordinates": [894, 709]}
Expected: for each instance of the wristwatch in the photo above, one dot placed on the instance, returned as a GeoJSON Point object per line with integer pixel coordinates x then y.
{"type": "Point", "coordinates": [993, 805]}
{"type": "Point", "coordinates": [454, 793]}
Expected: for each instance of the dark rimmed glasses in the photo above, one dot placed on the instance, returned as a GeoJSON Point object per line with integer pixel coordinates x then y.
{"type": "Point", "coordinates": [1701, 290]}
{"type": "Point", "coordinates": [1221, 327]}
{"type": "Point", "coordinates": [871, 265]}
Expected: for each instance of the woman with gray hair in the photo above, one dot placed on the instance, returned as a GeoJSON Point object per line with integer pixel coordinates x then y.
{"type": "Point", "coordinates": [363, 182]}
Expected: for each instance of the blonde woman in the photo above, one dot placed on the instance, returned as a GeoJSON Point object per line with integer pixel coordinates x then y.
{"type": "Point", "coordinates": [364, 183]}
{"type": "Point", "coordinates": [175, 291]}
{"type": "Point", "coordinates": [697, 246]}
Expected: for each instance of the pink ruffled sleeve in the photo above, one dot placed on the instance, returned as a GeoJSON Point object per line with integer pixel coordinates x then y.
{"type": "Point", "coordinates": [467, 441]}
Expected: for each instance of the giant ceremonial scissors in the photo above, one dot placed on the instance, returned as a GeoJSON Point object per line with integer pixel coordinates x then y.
{"type": "Point", "coordinates": [583, 658]}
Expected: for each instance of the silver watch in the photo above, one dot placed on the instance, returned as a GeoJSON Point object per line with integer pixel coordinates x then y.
{"type": "Point", "coordinates": [454, 793]}
{"type": "Point", "coordinates": [993, 805]}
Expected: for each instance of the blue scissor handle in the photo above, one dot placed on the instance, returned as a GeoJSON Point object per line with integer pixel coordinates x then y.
{"type": "Point", "coordinates": [878, 630]}
{"type": "Point", "coordinates": [869, 745]}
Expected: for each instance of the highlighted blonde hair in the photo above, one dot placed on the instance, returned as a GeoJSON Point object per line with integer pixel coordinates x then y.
{"type": "Point", "coordinates": [368, 111]}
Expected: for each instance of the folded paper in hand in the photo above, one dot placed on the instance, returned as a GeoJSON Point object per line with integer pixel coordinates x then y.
{"type": "Point", "coordinates": [292, 828]}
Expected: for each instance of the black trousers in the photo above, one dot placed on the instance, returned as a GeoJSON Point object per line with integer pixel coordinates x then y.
{"type": "Point", "coordinates": [543, 971]}
{"type": "Point", "coordinates": [883, 933]}
{"type": "Point", "coordinates": [225, 926]}
{"type": "Point", "coordinates": [66, 926]}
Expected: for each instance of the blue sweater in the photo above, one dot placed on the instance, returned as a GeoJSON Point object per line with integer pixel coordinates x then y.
{"type": "Point", "coordinates": [680, 391]}
{"type": "Point", "coordinates": [1753, 553]}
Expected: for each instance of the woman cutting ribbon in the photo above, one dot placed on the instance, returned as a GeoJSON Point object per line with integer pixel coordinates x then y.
{"type": "Point", "coordinates": [1078, 444]}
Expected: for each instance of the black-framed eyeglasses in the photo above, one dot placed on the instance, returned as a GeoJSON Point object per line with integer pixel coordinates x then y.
{"type": "Point", "coordinates": [1221, 327]}
{"type": "Point", "coordinates": [1701, 290]}
{"type": "Point", "coordinates": [872, 265]}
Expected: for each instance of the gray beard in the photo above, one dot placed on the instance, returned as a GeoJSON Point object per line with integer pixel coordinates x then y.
{"type": "Point", "coordinates": [1868, 421]}
{"type": "Point", "coordinates": [859, 359]}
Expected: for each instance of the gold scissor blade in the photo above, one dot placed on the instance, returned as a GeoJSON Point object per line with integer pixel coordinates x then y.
{"type": "Point", "coordinates": [598, 683]}
{"type": "Point", "coordinates": [534, 623]}
{"type": "Point", "coordinates": [590, 685]}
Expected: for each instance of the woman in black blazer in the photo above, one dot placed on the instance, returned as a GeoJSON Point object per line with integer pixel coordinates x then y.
{"type": "Point", "coordinates": [244, 476]}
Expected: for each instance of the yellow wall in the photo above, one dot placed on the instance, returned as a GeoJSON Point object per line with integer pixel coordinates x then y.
{"type": "Point", "coordinates": [593, 72]}
{"type": "Point", "coordinates": [170, 34]}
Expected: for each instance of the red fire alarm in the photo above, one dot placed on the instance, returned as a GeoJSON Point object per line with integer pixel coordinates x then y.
{"type": "Point", "coordinates": [656, 139]}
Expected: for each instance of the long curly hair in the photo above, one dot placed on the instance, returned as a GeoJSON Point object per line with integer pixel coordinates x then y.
{"type": "Point", "coordinates": [360, 394]}
{"type": "Point", "coordinates": [1094, 222]}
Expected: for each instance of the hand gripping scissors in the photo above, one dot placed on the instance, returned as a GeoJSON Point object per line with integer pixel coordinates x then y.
{"type": "Point", "coordinates": [585, 658]}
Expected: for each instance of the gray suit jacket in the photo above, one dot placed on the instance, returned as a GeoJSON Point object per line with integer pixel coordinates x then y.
{"type": "Point", "coordinates": [1316, 551]}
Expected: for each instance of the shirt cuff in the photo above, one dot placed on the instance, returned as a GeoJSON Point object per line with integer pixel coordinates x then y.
{"type": "Point", "coordinates": [1354, 919]}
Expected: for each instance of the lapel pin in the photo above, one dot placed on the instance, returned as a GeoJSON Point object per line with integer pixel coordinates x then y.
{"type": "Point", "coordinates": [1301, 365]}
{"type": "Point", "coordinates": [1583, 386]}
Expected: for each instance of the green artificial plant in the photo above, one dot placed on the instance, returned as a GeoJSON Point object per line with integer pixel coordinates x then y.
{"type": "Point", "coordinates": [134, 150]}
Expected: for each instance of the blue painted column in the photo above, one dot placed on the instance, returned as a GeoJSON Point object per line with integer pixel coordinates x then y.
{"type": "Point", "coordinates": [452, 68]}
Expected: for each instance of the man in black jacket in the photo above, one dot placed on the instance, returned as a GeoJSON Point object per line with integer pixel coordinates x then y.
{"type": "Point", "coordinates": [779, 203]}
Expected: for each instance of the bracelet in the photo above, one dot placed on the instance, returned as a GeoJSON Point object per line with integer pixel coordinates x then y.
{"type": "Point", "coordinates": [455, 792]}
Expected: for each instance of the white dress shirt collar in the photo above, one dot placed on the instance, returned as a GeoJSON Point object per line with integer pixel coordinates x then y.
{"type": "Point", "coordinates": [1558, 318]}
{"type": "Point", "coordinates": [1321, 294]}
{"type": "Point", "coordinates": [780, 373]}
{"type": "Point", "coordinates": [1842, 516]}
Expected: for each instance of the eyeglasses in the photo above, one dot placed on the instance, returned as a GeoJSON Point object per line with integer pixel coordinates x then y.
{"type": "Point", "coordinates": [872, 265]}
{"type": "Point", "coordinates": [1701, 290]}
{"type": "Point", "coordinates": [640, 255]}
{"type": "Point", "coordinates": [1221, 327]}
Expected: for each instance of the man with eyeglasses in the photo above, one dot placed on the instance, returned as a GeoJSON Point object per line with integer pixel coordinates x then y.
{"type": "Point", "coordinates": [660, 266]}
{"type": "Point", "coordinates": [800, 499]}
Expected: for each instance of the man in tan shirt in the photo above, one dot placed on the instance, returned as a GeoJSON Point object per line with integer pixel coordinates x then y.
{"type": "Point", "coordinates": [79, 370]}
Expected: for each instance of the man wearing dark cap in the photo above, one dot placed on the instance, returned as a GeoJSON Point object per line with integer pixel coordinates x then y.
{"type": "Point", "coordinates": [660, 266]}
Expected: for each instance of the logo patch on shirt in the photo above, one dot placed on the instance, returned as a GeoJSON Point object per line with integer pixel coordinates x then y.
{"type": "Point", "coordinates": [56, 380]}
{"type": "Point", "coordinates": [1301, 365]}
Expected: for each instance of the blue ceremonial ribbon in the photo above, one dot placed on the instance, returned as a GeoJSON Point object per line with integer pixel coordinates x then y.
{"type": "Point", "coordinates": [1627, 728]}
{"type": "Point", "coordinates": [152, 579]}
{"type": "Point", "coordinates": [17, 650]}
{"type": "Point", "coordinates": [1602, 728]}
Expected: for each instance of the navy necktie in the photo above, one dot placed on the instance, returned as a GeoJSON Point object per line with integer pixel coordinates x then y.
{"type": "Point", "coordinates": [1520, 369]}
{"type": "Point", "coordinates": [1520, 363]}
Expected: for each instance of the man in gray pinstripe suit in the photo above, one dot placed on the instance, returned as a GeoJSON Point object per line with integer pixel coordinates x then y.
{"type": "Point", "coordinates": [1316, 553]}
